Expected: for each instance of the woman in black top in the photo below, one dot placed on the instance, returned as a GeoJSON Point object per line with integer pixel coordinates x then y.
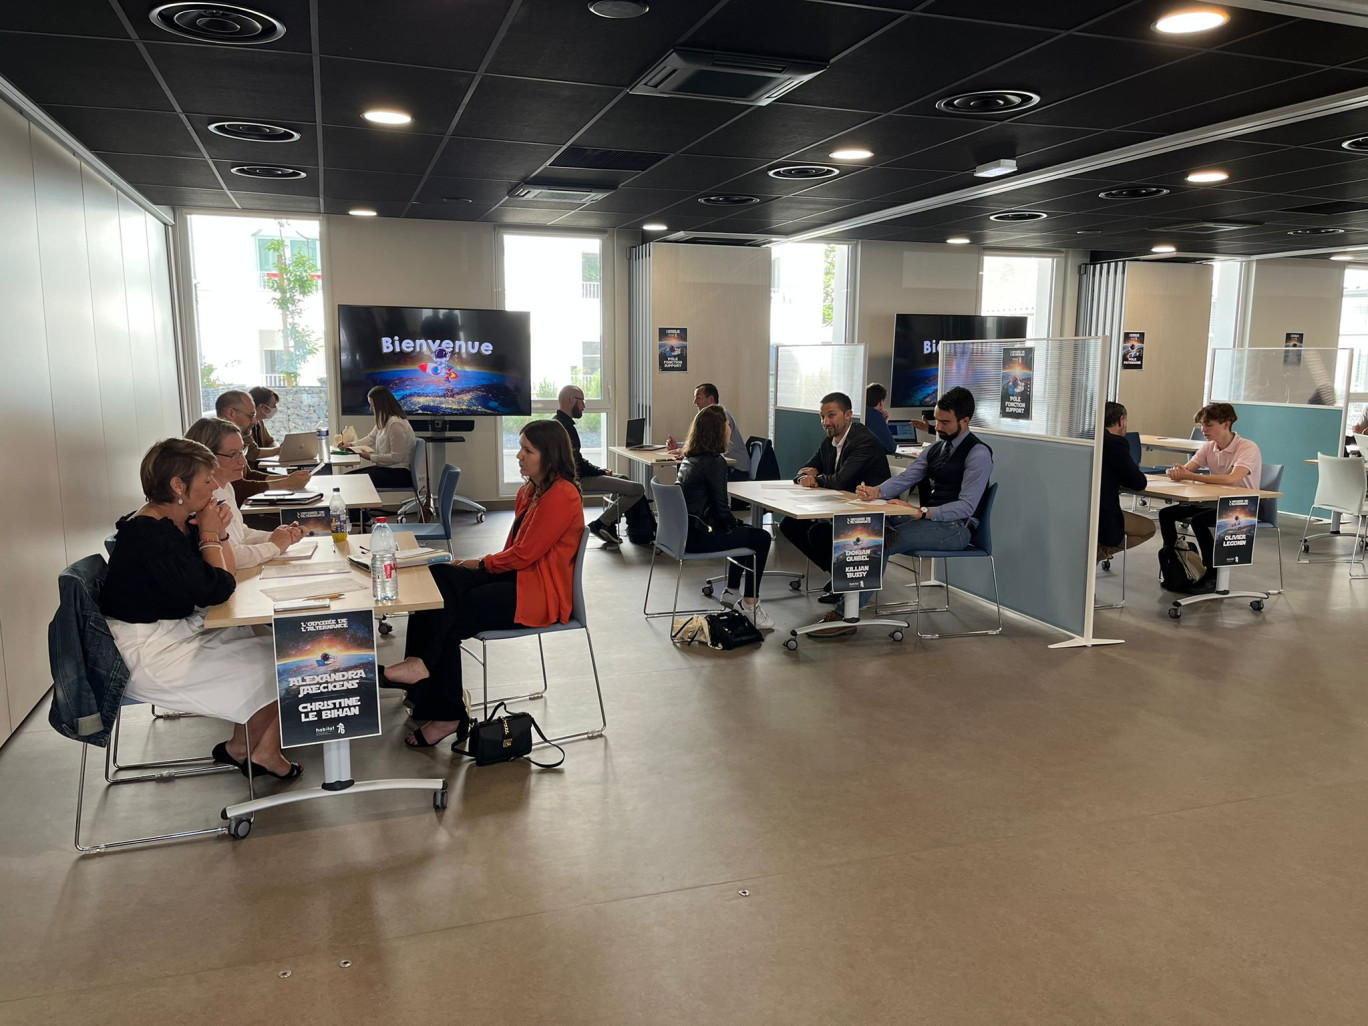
{"type": "Point", "coordinates": [171, 560]}
{"type": "Point", "coordinates": [703, 478]}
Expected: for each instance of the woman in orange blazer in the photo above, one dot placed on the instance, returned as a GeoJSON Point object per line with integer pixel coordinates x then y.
{"type": "Point", "coordinates": [530, 583]}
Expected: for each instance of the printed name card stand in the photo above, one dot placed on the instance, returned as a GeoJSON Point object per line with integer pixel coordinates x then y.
{"type": "Point", "coordinates": [329, 692]}
{"type": "Point", "coordinates": [1237, 526]}
{"type": "Point", "coordinates": [857, 548]}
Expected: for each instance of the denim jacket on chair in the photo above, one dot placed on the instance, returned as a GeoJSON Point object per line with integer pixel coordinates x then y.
{"type": "Point", "coordinates": [88, 674]}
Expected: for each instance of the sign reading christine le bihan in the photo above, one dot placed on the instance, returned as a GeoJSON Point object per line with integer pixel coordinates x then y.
{"type": "Point", "coordinates": [326, 677]}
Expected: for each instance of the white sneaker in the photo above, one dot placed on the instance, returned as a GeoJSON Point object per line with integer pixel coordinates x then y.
{"type": "Point", "coordinates": [730, 599]}
{"type": "Point", "coordinates": [757, 613]}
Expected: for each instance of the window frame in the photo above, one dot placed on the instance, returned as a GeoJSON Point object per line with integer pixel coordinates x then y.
{"type": "Point", "coordinates": [1051, 326]}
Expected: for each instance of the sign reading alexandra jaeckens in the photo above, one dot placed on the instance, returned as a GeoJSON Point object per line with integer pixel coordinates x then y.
{"type": "Point", "coordinates": [1237, 518]}
{"type": "Point", "coordinates": [326, 677]}
{"type": "Point", "coordinates": [857, 541]}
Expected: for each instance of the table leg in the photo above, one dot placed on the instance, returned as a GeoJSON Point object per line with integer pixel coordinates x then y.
{"type": "Point", "coordinates": [1221, 593]}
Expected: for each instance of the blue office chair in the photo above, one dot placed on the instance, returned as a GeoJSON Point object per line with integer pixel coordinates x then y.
{"type": "Point", "coordinates": [1136, 451]}
{"type": "Point", "coordinates": [417, 469]}
{"type": "Point", "coordinates": [579, 621]}
{"type": "Point", "coordinates": [672, 534]}
{"type": "Point", "coordinates": [980, 547]}
{"type": "Point", "coordinates": [446, 493]}
{"type": "Point", "coordinates": [1270, 480]}
{"type": "Point", "coordinates": [1196, 433]}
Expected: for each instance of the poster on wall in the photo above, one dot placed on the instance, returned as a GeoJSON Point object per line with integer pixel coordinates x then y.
{"type": "Point", "coordinates": [674, 349]}
{"type": "Point", "coordinates": [1236, 526]}
{"type": "Point", "coordinates": [326, 677]}
{"type": "Point", "coordinates": [857, 541]}
{"type": "Point", "coordinates": [1132, 350]}
{"type": "Point", "coordinates": [1018, 365]}
{"type": "Point", "coordinates": [1293, 341]}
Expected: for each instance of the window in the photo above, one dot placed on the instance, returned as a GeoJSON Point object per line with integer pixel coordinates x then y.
{"type": "Point", "coordinates": [257, 285]}
{"type": "Point", "coordinates": [1019, 286]}
{"type": "Point", "coordinates": [1354, 335]}
{"type": "Point", "coordinates": [559, 278]}
{"type": "Point", "coordinates": [809, 294]}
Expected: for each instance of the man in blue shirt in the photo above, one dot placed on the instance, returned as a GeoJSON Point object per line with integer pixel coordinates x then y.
{"type": "Point", "coordinates": [951, 477]}
{"type": "Point", "coordinates": [876, 416]}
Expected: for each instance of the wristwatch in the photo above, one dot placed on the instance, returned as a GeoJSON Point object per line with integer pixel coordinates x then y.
{"type": "Point", "coordinates": [925, 513]}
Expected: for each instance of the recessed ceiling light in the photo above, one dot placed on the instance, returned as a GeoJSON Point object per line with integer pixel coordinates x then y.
{"type": "Point", "coordinates": [1203, 177]}
{"type": "Point", "coordinates": [1191, 19]}
{"type": "Point", "coordinates": [1088, 231]}
{"type": "Point", "coordinates": [361, 212]}
{"type": "Point", "coordinates": [995, 168]}
{"type": "Point", "coordinates": [1343, 256]}
{"type": "Point", "coordinates": [387, 117]}
{"type": "Point", "coordinates": [1164, 247]}
{"type": "Point", "coordinates": [618, 9]}
{"type": "Point", "coordinates": [655, 226]}
{"type": "Point", "coordinates": [854, 153]}
{"type": "Point", "coordinates": [956, 240]}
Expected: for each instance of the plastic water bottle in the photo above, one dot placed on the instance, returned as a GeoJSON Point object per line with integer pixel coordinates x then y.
{"type": "Point", "coordinates": [324, 448]}
{"type": "Point", "coordinates": [384, 562]}
{"type": "Point", "coordinates": [338, 517]}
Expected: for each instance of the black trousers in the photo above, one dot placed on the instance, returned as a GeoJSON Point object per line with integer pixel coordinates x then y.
{"type": "Point", "coordinates": [1203, 521]}
{"type": "Point", "coordinates": [810, 537]}
{"type": "Point", "coordinates": [473, 601]}
{"type": "Point", "coordinates": [741, 536]}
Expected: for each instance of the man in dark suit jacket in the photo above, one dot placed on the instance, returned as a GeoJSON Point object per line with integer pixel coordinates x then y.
{"type": "Point", "coordinates": [850, 455]}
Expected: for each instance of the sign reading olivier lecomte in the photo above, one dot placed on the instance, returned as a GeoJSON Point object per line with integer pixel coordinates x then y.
{"type": "Point", "coordinates": [857, 543]}
{"type": "Point", "coordinates": [326, 677]}
{"type": "Point", "coordinates": [1237, 519]}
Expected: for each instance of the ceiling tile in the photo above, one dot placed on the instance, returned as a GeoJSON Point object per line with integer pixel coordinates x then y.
{"type": "Point", "coordinates": [183, 172]}
{"type": "Point", "coordinates": [80, 72]}
{"type": "Point", "coordinates": [639, 201]}
{"type": "Point", "coordinates": [1013, 12]}
{"type": "Point", "coordinates": [430, 95]}
{"type": "Point", "coordinates": [893, 135]}
{"type": "Point", "coordinates": [365, 149]}
{"type": "Point", "coordinates": [280, 202]}
{"type": "Point", "coordinates": [776, 130]}
{"type": "Point", "coordinates": [531, 111]}
{"type": "Point", "coordinates": [128, 131]}
{"type": "Point", "coordinates": [658, 123]}
{"type": "Point", "coordinates": [871, 183]}
{"type": "Point", "coordinates": [522, 215]}
{"type": "Point", "coordinates": [438, 191]}
{"type": "Point", "coordinates": [482, 158]}
{"type": "Point", "coordinates": [452, 34]}
{"type": "Point", "coordinates": [1260, 97]}
{"type": "Point", "coordinates": [992, 142]}
{"type": "Point", "coordinates": [788, 28]}
{"type": "Point", "coordinates": [172, 196]}
{"type": "Point", "coordinates": [293, 14]}
{"type": "Point", "coordinates": [1311, 41]}
{"type": "Point", "coordinates": [237, 82]}
{"type": "Point", "coordinates": [369, 185]}
{"type": "Point", "coordinates": [693, 172]}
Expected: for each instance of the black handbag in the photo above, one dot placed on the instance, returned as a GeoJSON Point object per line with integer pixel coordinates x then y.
{"type": "Point", "coordinates": [503, 738]}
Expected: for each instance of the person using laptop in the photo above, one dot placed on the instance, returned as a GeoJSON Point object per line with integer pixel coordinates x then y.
{"type": "Point", "coordinates": [389, 445]}
{"type": "Point", "coordinates": [876, 416]}
{"type": "Point", "coordinates": [625, 493]}
{"type": "Point", "coordinates": [738, 458]}
{"type": "Point", "coordinates": [260, 444]}
{"type": "Point", "coordinates": [237, 406]}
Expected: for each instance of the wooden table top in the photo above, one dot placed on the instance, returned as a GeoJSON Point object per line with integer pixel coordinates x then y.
{"type": "Point", "coordinates": [1172, 444]}
{"type": "Point", "coordinates": [1193, 491]}
{"type": "Point", "coordinates": [248, 606]}
{"type": "Point", "coordinates": [805, 503]}
{"type": "Point", "coordinates": [337, 459]}
{"type": "Point", "coordinates": [650, 457]}
{"type": "Point", "coordinates": [358, 492]}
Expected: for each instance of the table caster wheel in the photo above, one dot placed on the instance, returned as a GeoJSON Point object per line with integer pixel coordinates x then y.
{"type": "Point", "coordinates": [1257, 605]}
{"type": "Point", "coordinates": [386, 628]}
{"type": "Point", "coordinates": [239, 828]}
{"type": "Point", "coordinates": [1306, 546]}
{"type": "Point", "coordinates": [708, 590]}
{"type": "Point", "coordinates": [896, 635]}
{"type": "Point", "coordinates": [479, 518]}
{"type": "Point", "coordinates": [796, 585]}
{"type": "Point", "coordinates": [1106, 565]}
{"type": "Point", "coordinates": [791, 644]}
{"type": "Point", "coordinates": [1174, 612]}
{"type": "Point", "coordinates": [439, 799]}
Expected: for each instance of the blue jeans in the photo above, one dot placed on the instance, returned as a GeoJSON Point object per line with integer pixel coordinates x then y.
{"type": "Point", "coordinates": [905, 534]}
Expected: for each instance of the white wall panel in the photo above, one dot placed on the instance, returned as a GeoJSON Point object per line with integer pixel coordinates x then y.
{"type": "Point", "coordinates": [142, 337]}
{"type": "Point", "coordinates": [164, 327]}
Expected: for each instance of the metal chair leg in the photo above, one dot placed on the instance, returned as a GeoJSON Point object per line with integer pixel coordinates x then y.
{"type": "Point", "coordinates": [165, 769]}
{"type": "Point", "coordinates": [997, 601]}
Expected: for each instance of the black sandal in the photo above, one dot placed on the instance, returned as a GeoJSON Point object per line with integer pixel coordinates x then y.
{"type": "Point", "coordinates": [259, 770]}
{"type": "Point", "coordinates": [220, 755]}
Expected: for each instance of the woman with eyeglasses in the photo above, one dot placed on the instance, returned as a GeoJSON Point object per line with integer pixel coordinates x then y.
{"type": "Point", "coordinates": [260, 444]}
{"type": "Point", "coordinates": [250, 547]}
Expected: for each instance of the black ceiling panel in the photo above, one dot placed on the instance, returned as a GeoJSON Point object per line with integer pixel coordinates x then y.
{"type": "Point", "coordinates": [277, 202]}
{"type": "Point", "coordinates": [1011, 139]}
{"type": "Point", "coordinates": [293, 14]}
{"type": "Point", "coordinates": [780, 128]}
{"type": "Point", "coordinates": [172, 196]}
{"type": "Point", "coordinates": [430, 95]}
{"type": "Point", "coordinates": [559, 40]}
{"type": "Point", "coordinates": [69, 19]}
{"type": "Point", "coordinates": [481, 158]}
{"type": "Point", "coordinates": [128, 131]}
{"type": "Point", "coordinates": [1136, 20]}
{"type": "Point", "coordinates": [369, 185]}
{"type": "Point", "coordinates": [237, 81]}
{"type": "Point", "coordinates": [381, 208]}
{"type": "Point", "coordinates": [658, 123]}
{"type": "Point", "coordinates": [788, 28]}
{"type": "Point", "coordinates": [531, 111]}
{"type": "Point", "coordinates": [1070, 15]}
{"type": "Point", "coordinates": [1263, 96]}
{"type": "Point", "coordinates": [592, 218]}
{"type": "Point", "coordinates": [452, 34]}
{"type": "Point", "coordinates": [872, 182]}
{"type": "Point", "coordinates": [1324, 132]}
{"type": "Point", "coordinates": [918, 57]}
{"type": "Point", "coordinates": [182, 172]}
{"type": "Point", "coordinates": [639, 201]}
{"type": "Point", "coordinates": [79, 72]}
{"type": "Point", "coordinates": [373, 149]}
{"type": "Point", "coordinates": [693, 172]}
{"type": "Point", "coordinates": [441, 191]}
{"type": "Point", "coordinates": [892, 135]}
{"type": "Point", "coordinates": [1306, 41]}
{"type": "Point", "coordinates": [522, 215]}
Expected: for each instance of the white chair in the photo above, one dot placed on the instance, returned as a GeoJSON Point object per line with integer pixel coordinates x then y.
{"type": "Point", "coordinates": [1340, 488]}
{"type": "Point", "coordinates": [1362, 442]}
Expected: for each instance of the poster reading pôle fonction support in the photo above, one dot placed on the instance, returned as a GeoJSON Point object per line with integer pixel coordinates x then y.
{"type": "Point", "coordinates": [1133, 350]}
{"type": "Point", "coordinates": [673, 344]}
{"type": "Point", "coordinates": [1293, 341]}
{"type": "Point", "coordinates": [1236, 527]}
{"type": "Point", "coordinates": [326, 677]}
{"type": "Point", "coordinates": [1018, 366]}
{"type": "Point", "coordinates": [857, 541]}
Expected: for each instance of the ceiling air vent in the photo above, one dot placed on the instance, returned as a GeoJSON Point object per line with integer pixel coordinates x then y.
{"type": "Point", "coordinates": [1316, 231]}
{"type": "Point", "coordinates": [1134, 192]}
{"type": "Point", "coordinates": [728, 199]}
{"type": "Point", "coordinates": [731, 77]}
{"type": "Point", "coordinates": [988, 101]}
{"type": "Point", "coordinates": [721, 239]}
{"type": "Point", "coordinates": [272, 171]}
{"type": "Point", "coordinates": [803, 172]}
{"type": "Point", "coordinates": [253, 131]}
{"type": "Point", "coordinates": [572, 194]}
{"type": "Point", "coordinates": [1018, 215]}
{"type": "Point", "coordinates": [1207, 227]}
{"type": "Point", "coordinates": [217, 23]}
{"type": "Point", "coordinates": [597, 159]}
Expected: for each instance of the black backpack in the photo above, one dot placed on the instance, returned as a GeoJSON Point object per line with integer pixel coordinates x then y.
{"type": "Point", "coordinates": [641, 523]}
{"type": "Point", "coordinates": [1181, 569]}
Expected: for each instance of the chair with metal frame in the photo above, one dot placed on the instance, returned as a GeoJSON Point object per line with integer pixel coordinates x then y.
{"type": "Point", "coordinates": [1340, 488]}
{"type": "Point", "coordinates": [755, 447]}
{"type": "Point", "coordinates": [579, 621]}
{"type": "Point", "coordinates": [441, 531]}
{"type": "Point", "coordinates": [417, 502]}
{"type": "Point", "coordinates": [672, 537]}
{"type": "Point", "coordinates": [1270, 480]}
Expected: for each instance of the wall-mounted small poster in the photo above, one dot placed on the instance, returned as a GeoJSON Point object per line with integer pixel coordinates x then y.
{"type": "Point", "coordinates": [1132, 350]}
{"type": "Point", "coordinates": [1236, 527]}
{"type": "Point", "coordinates": [857, 541]}
{"type": "Point", "coordinates": [1018, 365]}
{"type": "Point", "coordinates": [326, 677]}
{"type": "Point", "coordinates": [1293, 341]}
{"type": "Point", "coordinates": [674, 349]}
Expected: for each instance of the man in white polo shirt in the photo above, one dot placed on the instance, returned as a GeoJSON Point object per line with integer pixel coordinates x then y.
{"type": "Point", "coordinates": [1231, 459]}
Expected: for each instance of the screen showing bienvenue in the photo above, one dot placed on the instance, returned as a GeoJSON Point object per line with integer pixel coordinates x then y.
{"type": "Point", "coordinates": [442, 362]}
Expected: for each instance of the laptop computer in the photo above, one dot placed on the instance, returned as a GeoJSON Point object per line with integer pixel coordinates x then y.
{"type": "Point", "coordinates": [636, 435]}
{"type": "Point", "coordinates": [299, 447]}
{"type": "Point", "coordinates": [904, 432]}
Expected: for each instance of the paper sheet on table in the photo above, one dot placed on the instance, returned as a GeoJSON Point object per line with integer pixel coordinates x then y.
{"type": "Point", "coordinates": [322, 586]}
{"type": "Point", "coordinates": [783, 486]}
{"type": "Point", "coordinates": [299, 550]}
{"type": "Point", "coordinates": [323, 568]}
{"type": "Point", "coordinates": [347, 436]}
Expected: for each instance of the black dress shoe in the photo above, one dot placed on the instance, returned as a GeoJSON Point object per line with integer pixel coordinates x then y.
{"type": "Point", "coordinates": [829, 598]}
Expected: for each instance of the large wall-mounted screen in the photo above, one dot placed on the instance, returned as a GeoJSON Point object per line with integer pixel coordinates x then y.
{"type": "Point", "coordinates": [916, 350]}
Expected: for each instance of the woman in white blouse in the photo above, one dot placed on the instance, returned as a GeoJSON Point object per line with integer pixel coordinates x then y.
{"type": "Point", "coordinates": [250, 547]}
{"type": "Point", "coordinates": [390, 443]}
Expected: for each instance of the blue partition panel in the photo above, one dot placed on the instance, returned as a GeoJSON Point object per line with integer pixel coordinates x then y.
{"type": "Point", "coordinates": [796, 437]}
{"type": "Point", "coordinates": [1040, 531]}
{"type": "Point", "coordinates": [1290, 435]}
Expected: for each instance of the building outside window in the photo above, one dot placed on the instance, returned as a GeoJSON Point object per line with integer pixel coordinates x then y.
{"type": "Point", "coordinates": [1019, 286]}
{"type": "Point", "coordinates": [1354, 335]}
{"type": "Point", "coordinates": [809, 299]}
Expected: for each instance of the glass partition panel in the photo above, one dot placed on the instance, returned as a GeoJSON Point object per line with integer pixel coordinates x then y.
{"type": "Point", "coordinates": [1043, 387]}
{"type": "Point", "coordinates": [803, 374]}
{"type": "Point", "coordinates": [1286, 376]}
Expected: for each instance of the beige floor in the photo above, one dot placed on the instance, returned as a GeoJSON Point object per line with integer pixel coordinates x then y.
{"type": "Point", "coordinates": [972, 831]}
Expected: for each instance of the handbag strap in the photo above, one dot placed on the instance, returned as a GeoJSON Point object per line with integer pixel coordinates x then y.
{"type": "Point", "coordinates": [544, 765]}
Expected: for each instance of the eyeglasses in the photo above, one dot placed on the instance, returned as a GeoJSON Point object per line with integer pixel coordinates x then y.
{"type": "Point", "coordinates": [241, 454]}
